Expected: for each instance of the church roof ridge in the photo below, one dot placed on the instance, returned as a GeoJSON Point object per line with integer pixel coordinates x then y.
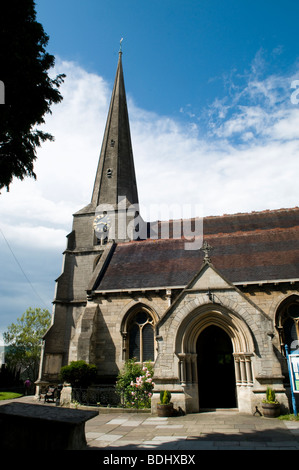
{"type": "Point", "coordinates": [255, 231]}
{"type": "Point", "coordinates": [265, 211]}
{"type": "Point", "coordinates": [233, 214]}
{"type": "Point", "coordinates": [231, 226]}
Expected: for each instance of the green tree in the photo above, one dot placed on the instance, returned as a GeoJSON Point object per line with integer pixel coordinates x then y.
{"type": "Point", "coordinates": [29, 90]}
{"type": "Point", "coordinates": [24, 340]}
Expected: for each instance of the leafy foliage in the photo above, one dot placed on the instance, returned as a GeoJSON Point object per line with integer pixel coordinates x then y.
{"type": "Point", "coordinates": [165, 397]}
{"type": "Point", "coordinates": [29, 91]}
{"type": "Point", "coordinates": [24, 340]}
{"type": "Point", "coordinates": [135, 384]}
{"type": "Point", "coordinates": [79, 373]}
{"type": "Point", "coordinates": [270, 396]}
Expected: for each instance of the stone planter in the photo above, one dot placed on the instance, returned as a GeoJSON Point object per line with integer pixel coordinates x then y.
{"type": "Point", "coordinates": [165, 410]}
{"type": "Point", "coordinates": [271, 410]}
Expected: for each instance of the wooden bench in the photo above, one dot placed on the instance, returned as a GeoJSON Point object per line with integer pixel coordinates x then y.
{"type": "Point", "coordinates": [50, 394]}
{"type": "Point", "coordinates": [41, 427]}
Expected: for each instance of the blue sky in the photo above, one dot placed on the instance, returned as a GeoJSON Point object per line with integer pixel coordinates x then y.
{"type": "Point", "coordinates": [177, 52]}
{"type": "Point", "coordinates": [214, 121]}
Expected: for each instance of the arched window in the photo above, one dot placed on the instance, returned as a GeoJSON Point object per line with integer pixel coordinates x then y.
{"type": "Point", "coordinates": [288, 324]}
{"type": "Point", "coordinates": [141, 337]}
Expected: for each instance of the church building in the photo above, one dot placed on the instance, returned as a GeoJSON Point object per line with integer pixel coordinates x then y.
{"type": "Point", "coordinates": [211, 301]}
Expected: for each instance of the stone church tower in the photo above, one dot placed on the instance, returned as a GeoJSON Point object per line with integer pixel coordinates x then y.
{"type": "Point", "coordinates": [214, 318]}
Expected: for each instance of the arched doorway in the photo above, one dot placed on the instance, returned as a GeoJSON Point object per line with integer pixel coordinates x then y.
{"type": "Point", "coordinates": [216, 372]}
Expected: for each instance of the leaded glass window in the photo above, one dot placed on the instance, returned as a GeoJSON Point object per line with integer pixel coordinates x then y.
{"type": "Point", "coordinates": [289, 325]}
{"type": "Point", "coordinates": [141, 337]}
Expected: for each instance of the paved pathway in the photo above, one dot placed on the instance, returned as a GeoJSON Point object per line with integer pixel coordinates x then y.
{"type": "Point", "coordinates": [208, 430]}
{"type": "Point", "coordinates": [214, 430]}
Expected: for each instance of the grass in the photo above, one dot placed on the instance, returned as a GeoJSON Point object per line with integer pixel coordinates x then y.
{"type": "Point", "coordinates": [9, 395]}
{"type": "Point", "coordinates": [290, 417]}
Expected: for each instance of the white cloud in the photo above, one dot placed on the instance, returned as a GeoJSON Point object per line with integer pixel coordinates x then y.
{"type": "Point", "coordinates": [247, 160]}
{"type": "Point", "coordinates": [65, 168]}
{"type": "Point", "coordinates": [35, 237]}
{"type": "Point", "coordinates": [251, 131]}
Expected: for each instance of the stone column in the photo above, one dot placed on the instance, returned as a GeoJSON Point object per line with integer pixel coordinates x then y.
{"type": "Point", "coordinates": [194, 368]}
{"type": "Point", "coordinates": [182, 368]}
{"type": "Point", "coordinates": [248, 369]}
{"type": "Point", "coordinates": [124, 345]}
{"type": "Point", "coordinates": [188, 368]}
{"type": "Point", "coordinates": [243, 370]}
{"type": "Point", "coordinates": [237, 370]}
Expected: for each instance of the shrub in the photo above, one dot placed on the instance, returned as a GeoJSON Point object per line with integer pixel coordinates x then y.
{"type": "Point", "coordinates": [79, 373]}
{"type": "Point", "coordinates": [165, 397]}
{"type": "Point", "coordinates": [270, 396]}
{"type": "Point", "coordinates": [135, 384]}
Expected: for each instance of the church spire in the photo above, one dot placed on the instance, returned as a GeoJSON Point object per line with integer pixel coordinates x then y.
{"type": "Point", "coordinates": [115, 177]}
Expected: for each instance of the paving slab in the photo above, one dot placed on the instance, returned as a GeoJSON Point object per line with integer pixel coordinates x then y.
{"type": "Point", "coordinates": [209, 430]}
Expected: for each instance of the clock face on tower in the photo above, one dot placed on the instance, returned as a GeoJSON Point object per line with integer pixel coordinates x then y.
{"type": "Point", "coordinates": [101, 224]}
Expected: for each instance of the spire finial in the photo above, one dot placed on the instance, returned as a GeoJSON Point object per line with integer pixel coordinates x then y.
{"type": "Point", "coordinates": [120, 44]}
{"type": "Point", "coordinates": [206, 248]}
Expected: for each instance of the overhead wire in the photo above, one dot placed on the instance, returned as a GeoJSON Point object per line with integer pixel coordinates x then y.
{"type": "Point", "coordinates": [22, 270]}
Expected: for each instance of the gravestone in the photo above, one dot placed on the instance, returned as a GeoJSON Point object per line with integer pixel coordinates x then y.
{"type": "Point", "coordinates": [29, 426]}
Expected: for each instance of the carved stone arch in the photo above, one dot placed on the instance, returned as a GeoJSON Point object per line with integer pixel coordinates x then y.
{"type": "Point", "coordinates": [209, 314]}
{"type": "Point", "coordinates": [244, 312]}
{"type": "Point", "coordinates": [283, 301]}
{"type": "Point", "coordinates": [194, 322]}
{"type": "Point", "coordinates": [132, 308]}
{"type": "Point", "coordinates": [284, 320]}
{"type": "Point", "coordinates": [229, 315]}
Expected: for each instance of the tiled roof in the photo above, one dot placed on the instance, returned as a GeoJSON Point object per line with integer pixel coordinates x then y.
{"type": "Point", "coordinates": [251, 247]}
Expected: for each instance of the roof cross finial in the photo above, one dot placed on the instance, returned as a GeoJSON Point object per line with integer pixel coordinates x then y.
{"type": "Point", "coordinates": [120, 44]}
{"type": "Point", "coordinates": [206, 248]}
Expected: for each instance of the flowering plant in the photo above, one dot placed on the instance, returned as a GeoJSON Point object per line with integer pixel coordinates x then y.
{"type": "Point", "coordinates": [136, 384]}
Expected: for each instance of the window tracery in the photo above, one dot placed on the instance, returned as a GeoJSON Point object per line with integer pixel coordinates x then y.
{"type": "Point", "coordinates": [288, 324]}
{"type": "Point", "coordinates": [138, 336]}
